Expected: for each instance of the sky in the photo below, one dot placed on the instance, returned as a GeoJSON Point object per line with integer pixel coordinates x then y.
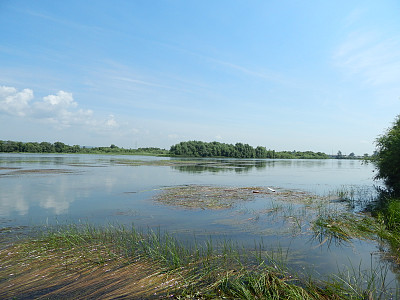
{"type": "Point", "coordinates": [286, 75]}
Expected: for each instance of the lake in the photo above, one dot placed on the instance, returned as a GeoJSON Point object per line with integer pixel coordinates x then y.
{"type": "Point", "coordinates": [243, 200]}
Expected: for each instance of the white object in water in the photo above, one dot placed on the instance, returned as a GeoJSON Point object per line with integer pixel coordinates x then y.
{"type": "Point", "coordinates": [272, 190]}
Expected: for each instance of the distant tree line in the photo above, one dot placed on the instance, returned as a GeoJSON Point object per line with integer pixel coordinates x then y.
{"type": "Point", "coordinates": [239, 150]}
{"type": "Point", "coordinates": [59, 147]}
{"type": "Point", "coordinates": [340, 155]}
{"type": "Point", "coordinates": [188, 149]}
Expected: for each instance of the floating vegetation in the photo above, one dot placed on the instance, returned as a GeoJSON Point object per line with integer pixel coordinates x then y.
{"type": "Point", "coordinates": [197, 166]}
{"type": "Point", "coordinates": [207, 197]}
{"type": "Point", "coordinates": [163, 162]}
{"type": "Point", "coordinates": [345, 226]}
{"type": "Point", "coordinates": [129, 212]}
{"type": "Point", "coordinates": [40, 171]}
{"type": "Point", "coordinates": [9, 229]}
{"type": "Point", "coordinates": [217, 197]}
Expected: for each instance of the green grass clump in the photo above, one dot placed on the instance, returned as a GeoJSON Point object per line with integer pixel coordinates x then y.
{"type": "Point", "coordinates": [392, 215]}
{"type": "Point", "coordinates": [387, 213]}
{"type": "Point", "coordinates": [344, 227]}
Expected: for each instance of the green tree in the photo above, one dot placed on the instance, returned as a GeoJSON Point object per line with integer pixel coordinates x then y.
{"type": "Point", "coordinates": [387, 158]}
{"type": "Point", "coordinates": [47, 147]}
{"type": "Point", "coordinates": [59, 147]}
{"type": "Point", "coordinates": [261, 152]}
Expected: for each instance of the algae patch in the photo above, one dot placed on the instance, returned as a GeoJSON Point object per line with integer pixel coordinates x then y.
{"type": "Point", "coordinates": [217, 197]}
{"type": "Point", "coordinates": [39, 172]}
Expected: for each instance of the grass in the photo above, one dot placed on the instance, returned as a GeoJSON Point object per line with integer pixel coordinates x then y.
{"type": "Point", "coordinates": [117, 262]}
{"type": "Point", "coordinates": [387, 213]}
{"type": "Point", "coordinates": [339, 227]}
{"type": "Point", "coordinates": [355, 197]}
{"type": "Point", "coordinates": [379, 221]}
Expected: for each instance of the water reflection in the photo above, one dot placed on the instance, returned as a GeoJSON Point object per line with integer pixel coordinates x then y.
{"type": "Point", "coordinates": [243, 166]}
{"type": "Point", "coordinates": [13, 200]}
{"type": "Point", "coordinates": [52, 194]}
{"type": "Point", "coordinates": [216, 166]}
{"type": "Point", "coordinates": [23, 186]}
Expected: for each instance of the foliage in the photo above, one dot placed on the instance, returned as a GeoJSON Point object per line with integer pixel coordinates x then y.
{"type": "Point", "coordinates": [387, 158]}
{"type": "Point", "coordinates": [239, 150]}
{"type": "Point", "coordinates": [187, 149]}
{"type": "Point", "coordinates": [59, 147]}
{"type": "Point", "coordinates": [387, 211]}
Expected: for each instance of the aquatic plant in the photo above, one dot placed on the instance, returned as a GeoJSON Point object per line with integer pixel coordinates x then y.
{"type": "Point", "coordinates": [115, 261]}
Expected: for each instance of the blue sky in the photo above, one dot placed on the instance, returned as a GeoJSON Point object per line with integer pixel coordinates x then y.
{"type": "Point", "coordinates": [287, 75]}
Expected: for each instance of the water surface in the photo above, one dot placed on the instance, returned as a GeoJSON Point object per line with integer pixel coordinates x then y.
{"type": "Point", "coordinates": [48, 189]}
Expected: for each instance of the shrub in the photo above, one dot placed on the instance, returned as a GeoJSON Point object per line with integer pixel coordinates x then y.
{"type": "Point", "coordinates": [387, 158]}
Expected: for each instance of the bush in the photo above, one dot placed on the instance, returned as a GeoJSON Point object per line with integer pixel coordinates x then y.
{"type": "Point", "coordinates": [387, 158]}
{"type": "Point", "coordinates": [393, 214]}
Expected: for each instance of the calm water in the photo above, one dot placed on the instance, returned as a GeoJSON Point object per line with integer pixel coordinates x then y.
{"type": "Point", "coordinates": [41, 189]}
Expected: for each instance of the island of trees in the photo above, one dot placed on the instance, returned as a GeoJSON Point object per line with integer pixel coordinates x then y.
{"type": "Point", "coordinates": [239, 150]}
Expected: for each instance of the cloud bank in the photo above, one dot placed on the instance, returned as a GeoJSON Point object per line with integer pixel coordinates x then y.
{"type": "Point", "coordinates": [13, 102]}
{"type": "Point", "coordinates": [59, 110]}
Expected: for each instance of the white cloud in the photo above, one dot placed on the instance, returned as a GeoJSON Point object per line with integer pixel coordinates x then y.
{"type": "Point", "coordinates": [173, 136]}
{"type": "Point", "coordinates": [62, 99]}
{"type": "Point", "coordinates": [59, 110]}
{"type": "Point", "coordinates": [374, 58]}
{"type": "Point", "coordinates": [111, 123]}
{"type": "Point", "coordinates": [13, 102]}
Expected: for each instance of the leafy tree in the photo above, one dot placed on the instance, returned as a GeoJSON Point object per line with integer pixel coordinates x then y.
{"type": "Point", "coordinates": [59, 147]}
{"type": "Point", "coordinates": [239, 150]}
{"type": "Point", "coordinates": [31, 147]}
{"type": "Point", "coordinates": [260, 152]}
{"type": "Point", "coordinates": [387, 157]}
{"type": "Point", "coordinates": [47, 147]}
